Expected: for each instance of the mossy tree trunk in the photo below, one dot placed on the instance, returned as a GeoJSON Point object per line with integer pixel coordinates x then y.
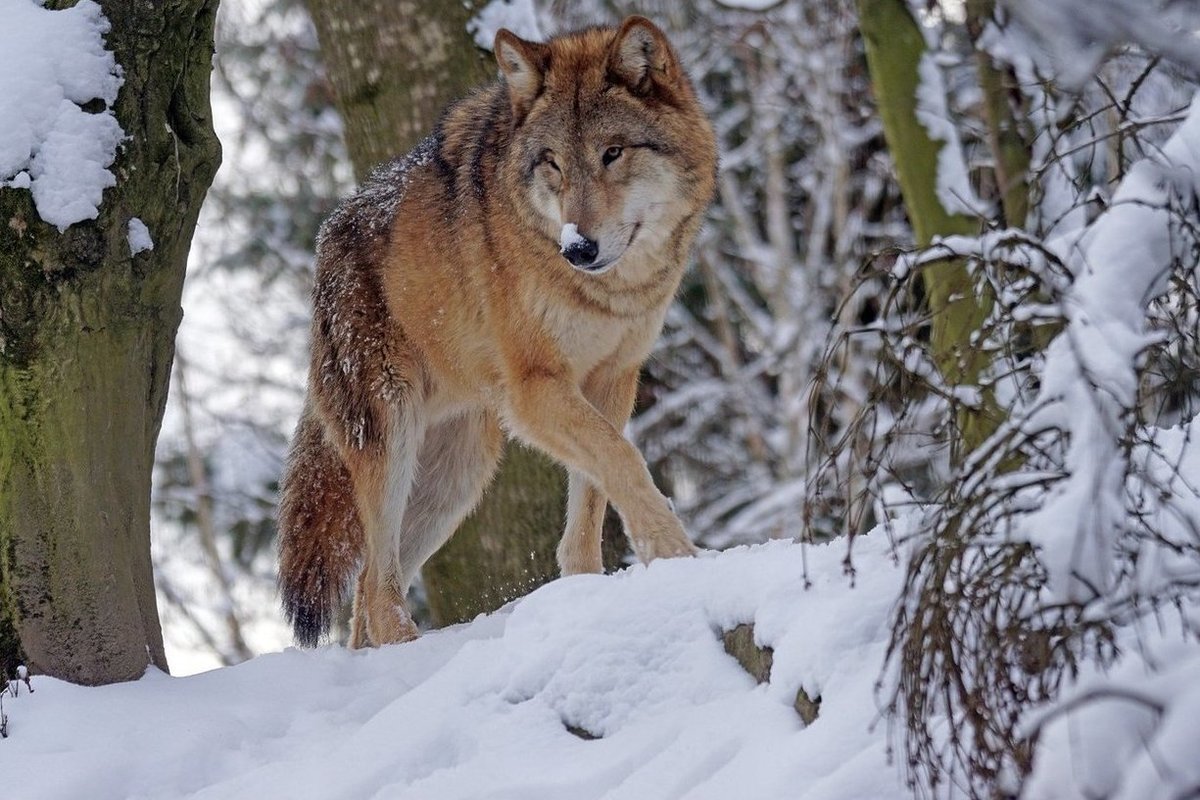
{"type": "Point", "coordinates": [395, 66]}
{"type": "Point", "coordinates": [894, 45]}
{"type": "Point", "coordinates": [87, 334]}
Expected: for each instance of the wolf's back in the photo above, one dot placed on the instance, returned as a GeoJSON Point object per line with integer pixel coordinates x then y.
{"type": "Point", "coordinates": [320, 534]}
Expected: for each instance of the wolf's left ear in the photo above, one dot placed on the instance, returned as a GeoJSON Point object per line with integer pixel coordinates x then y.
{"type": "Point", "coordinates": [641, 58]}
{"type": "Point", "coordinates": [523, 65]}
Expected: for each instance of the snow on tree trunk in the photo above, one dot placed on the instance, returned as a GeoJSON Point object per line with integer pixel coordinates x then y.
{"type": "Point", "coordinates": [87, 331]}
{"type": "Point", "coordinates": [897, 57]}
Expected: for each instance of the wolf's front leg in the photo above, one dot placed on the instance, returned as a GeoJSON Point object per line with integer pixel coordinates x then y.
{"type": "Point", "coordinates": [611, 392]}
{"type": "Point", "coordinates": [550, 412]}
{"type": "Point", "coordinates": [579, 551]}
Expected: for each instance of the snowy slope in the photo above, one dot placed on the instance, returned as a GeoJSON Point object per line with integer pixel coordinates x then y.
{"type": "Point", "coordinates": [481, 710]}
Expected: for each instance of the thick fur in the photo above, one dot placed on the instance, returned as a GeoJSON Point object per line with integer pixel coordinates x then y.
{"type": "Point", "coordinates": [445, 313]}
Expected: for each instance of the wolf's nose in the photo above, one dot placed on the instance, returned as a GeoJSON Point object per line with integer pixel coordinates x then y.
{"type": "Point", "coordinates": [582, 251]}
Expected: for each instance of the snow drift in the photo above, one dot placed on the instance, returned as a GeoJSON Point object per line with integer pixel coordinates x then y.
{"type": "Point", "coordinates": [506, 706]}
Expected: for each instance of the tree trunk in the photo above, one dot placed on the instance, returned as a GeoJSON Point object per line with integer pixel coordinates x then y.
{"type": "Point", "coordinates": [87, 335]}
{"type": "Point", "coordinates": [395, 66]}
{"type": "Point", "coordinates": [1006, 139]}
{"type": "Point", "coordinates": [505, 549]}
{"type": "Point", "coordinates": [894, 45]}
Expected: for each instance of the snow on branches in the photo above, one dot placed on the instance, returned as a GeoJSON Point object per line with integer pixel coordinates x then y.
{"type": "Point", "coordinates": [1062, 555]}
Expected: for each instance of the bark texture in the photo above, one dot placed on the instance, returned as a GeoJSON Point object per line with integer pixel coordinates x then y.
{"type": "Point", "coordinates": [1008, 138]}
{"type": "Point", "coordinates": [87, 335]}
{"type": "Point", "coordinates": [395, 65]}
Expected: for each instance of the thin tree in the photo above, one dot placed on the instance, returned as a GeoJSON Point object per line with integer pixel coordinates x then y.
{"type": "Point", "coordinates": [895, 46]}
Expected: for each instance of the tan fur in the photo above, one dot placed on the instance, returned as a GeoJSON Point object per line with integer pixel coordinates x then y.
{"type": "Point", "coordinates": [444, 311]}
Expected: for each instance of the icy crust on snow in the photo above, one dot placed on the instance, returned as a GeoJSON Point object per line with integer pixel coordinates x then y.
{"type": "Point", "coordinates": [51, 63]}
{"type": "Point", "coordinates": [481, 710]}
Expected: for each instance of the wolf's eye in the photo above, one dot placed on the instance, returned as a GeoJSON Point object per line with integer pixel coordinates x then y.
{"type": "Point", "coordinates": [548, 158]}
{"type": "Point", "coordinates": [612, 154]}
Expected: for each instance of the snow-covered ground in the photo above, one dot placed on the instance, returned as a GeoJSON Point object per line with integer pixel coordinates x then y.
{"type": "Point", "coordinates": [482, 710]}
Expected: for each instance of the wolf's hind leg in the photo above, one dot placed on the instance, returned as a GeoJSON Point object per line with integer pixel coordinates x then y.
{"type": "Point", "coordinates": [457, 462]}
{"type": "Point", "coordinates": [358, 619]}
{"type": "Point", "coordinates": [579, 549]}
{"type": "Point", "coordinates": [383, 480]}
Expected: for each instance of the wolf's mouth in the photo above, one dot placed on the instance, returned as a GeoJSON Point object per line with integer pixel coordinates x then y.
{"type": "Point", "coordinates": [637, 226]}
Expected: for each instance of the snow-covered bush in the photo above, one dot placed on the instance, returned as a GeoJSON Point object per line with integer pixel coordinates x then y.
{"type": "Point", "coordinates": [1068, 542]}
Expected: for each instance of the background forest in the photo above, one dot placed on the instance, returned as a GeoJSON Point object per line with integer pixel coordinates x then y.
{"type": "Point", "coordinates": [805, 199]}
{"type": "Point", "coordinates": [948, 290]}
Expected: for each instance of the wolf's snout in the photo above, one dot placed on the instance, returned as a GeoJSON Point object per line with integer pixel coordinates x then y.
{"type": "Point", "coordinates": [582, 251]}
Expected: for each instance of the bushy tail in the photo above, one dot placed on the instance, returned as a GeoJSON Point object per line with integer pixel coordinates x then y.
{"type": "Point", "coordinates": [320, 534]}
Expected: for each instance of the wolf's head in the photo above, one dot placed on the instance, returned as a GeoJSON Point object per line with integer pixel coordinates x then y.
{"type": "Point", "coordinates": [610, 149]}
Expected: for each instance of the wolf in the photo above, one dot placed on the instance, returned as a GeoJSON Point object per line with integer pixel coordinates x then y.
{"type": "Point", "coordinates": [508, 276]}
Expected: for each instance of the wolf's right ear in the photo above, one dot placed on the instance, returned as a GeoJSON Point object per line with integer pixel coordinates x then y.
{"type": "Point", "coordinates": [641, 58]}
{"type": "Point", "coordinates": [523, 65]}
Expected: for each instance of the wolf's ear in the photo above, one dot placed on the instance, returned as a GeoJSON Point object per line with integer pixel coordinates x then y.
{"type": "Point", "coordinates": [641, 58]}
{"type": "Point", "coordinates": [523, 65]}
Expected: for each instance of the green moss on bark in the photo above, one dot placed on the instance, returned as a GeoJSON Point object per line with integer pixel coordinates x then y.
{"type": "Point", "coordinates": [86, 341]}
{"type": "Point", "coordinates": [894, 45]}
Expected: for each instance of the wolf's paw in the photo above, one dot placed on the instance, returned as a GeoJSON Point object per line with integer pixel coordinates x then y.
{"type": "Point", "coordinates": [389, 626]}
{"type": "Point", "coordinates": [669, 548]}
{"type": "Point", "coordinates": [574, 561]}
{"type": "Point", "coordinates": [664, 540]}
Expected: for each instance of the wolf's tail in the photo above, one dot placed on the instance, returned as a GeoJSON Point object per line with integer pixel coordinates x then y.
{"type": "Point", "coordinates": [320, 534]}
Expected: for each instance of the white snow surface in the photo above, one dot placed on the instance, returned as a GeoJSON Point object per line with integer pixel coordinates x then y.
{"type": "Point", "coordinates": [518, 16]}
{"type": "Point", "coordinates": [51, 63]}
{"type": "Point", "coordinates": [480, 710]}
{"type": "Point", "coordinates": [569, 236]}
{"type": "Point", "coordinates": [139, 237]}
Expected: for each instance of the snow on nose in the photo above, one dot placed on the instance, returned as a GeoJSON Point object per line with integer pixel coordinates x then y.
{"type": "Point", "coordinates": [570, 237]}
{"type": "Point", "coordinates": [575, 247]}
